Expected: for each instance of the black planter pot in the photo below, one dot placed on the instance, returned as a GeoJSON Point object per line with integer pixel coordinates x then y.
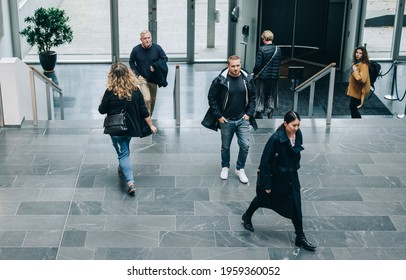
{"type": "Point", "coordinates": [48, 61]}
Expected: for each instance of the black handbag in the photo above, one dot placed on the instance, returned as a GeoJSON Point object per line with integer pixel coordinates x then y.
{"type": "Point", "coordinates": [116, 124]}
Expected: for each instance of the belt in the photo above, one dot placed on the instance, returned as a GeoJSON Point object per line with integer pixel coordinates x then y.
{"type": "Point", "coordinates": [234, 119]}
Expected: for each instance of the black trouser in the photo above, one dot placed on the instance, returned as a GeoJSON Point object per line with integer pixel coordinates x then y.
{"type": "Point", "coordinates": [296, 220]}
{"type": "Point", "coordinates": [267, 95]}
{"type": "Point", "coordinates": [354, 102]}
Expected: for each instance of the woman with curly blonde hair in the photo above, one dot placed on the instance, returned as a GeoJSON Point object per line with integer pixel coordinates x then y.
{"type": "Point", "coordinates": [121, 81]}
{"type": "Point", "coordinates": [123, 95]}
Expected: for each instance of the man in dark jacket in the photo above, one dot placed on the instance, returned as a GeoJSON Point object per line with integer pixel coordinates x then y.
{"type": "Point", "coordinates": [266, 72]}
{"type": "Point", "coordinates": [232, 108]}
{"type": "Point", "coordinates": [145, 60]}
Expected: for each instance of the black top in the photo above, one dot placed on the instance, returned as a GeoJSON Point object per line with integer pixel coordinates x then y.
{"type": "Point", "coordinates": [135, 108]}
{"type": "Point", "coordinates": [235, 107]}
{"type": "Point", "coordinates": [142, 58]}
{"type": "Point", "coordinates": [218, 97]}
{"type": "Point", "coordinates": [264, 54]}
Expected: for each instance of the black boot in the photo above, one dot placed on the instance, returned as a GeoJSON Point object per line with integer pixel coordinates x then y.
{"type": "Point", "coordinates": [301, 241]}
{"type": "Point", "coordinates": [247, 223]}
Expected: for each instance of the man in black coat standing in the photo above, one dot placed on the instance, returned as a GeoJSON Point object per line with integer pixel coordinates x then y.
{"type": "Point", "coordinates": [232, 108]}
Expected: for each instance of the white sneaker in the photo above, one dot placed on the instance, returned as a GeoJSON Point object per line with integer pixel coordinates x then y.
{"type": "Point", "coordinates": [224, 173]}
{"type": "Point", "coordinates": [241, 175]}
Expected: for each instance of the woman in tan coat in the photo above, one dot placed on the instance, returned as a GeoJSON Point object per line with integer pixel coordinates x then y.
{"type": "Point", "coordinates": [359, 85]}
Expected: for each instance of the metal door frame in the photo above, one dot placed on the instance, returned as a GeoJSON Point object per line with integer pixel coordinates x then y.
{"type": "Point", "coordinates": [1, 110]}
{"type": "Point", "coordinates": [397, 32]}
{"type": "Point", "coordinates": [397, 29]}
{"type": "Point", "coordinates": [153, 27]}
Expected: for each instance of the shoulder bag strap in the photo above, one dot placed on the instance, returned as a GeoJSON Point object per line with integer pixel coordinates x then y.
{"type": "Point", "coordinates": [263, 68]}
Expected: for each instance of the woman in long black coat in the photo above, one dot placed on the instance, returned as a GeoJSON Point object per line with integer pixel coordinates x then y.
{"type": "Point", "coordinates": [278, 186]}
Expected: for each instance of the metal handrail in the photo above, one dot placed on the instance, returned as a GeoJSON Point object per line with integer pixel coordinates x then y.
{"type": "Point", "coordinates": [49, 84]}
{"type": "Point", "coordinates": [316, 76]}
{"type": "Point", "coordinates": [329, 69]}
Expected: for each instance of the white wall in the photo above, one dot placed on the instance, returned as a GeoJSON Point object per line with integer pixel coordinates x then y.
{"type": "Point", "coordinates": [248, 16]}
{"type": "Point", "coordinates": [15, 91]}
{"type": "Point", "coordinates": [15, 86]}
{"type": "Point", "coordinates": [6, 48]}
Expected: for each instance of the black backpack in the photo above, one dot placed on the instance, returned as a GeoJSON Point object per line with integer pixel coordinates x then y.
{"type": "Point", "coordinates": [374, 72]}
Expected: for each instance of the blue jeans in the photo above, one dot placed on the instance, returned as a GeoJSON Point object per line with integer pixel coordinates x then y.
{"type": "Point", "coordinates": [122, 146]}
{"type": "Point", "coordinates": [241, 128]}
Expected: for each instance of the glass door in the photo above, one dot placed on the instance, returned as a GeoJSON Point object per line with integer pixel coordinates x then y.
{"type": "Point", "coordinates": [187, 30]}
{"type": "Point", "coordinates": [211, 30]}
{"type": "Point", "coordinates": [171, 29]}
{"type": "Point", "coordinates": [167, 21]}
{"type": "Point", "coordinates": [384, 32]}
{"type": "Point", "coordinates": [105, 31]}
{"type": "Point", "coordinates": [378, 28]}
{"type": "Point", "coordinates": [132, 19]}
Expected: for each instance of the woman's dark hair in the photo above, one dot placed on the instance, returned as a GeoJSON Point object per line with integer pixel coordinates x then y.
{"type": "Point", "coordinates": [364, 58]}
{"type": "Point", "coordinates": [291, 116]}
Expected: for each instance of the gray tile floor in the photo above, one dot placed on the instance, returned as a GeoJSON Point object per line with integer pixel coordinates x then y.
{"type": "Point", "coordinates": [61, 198]}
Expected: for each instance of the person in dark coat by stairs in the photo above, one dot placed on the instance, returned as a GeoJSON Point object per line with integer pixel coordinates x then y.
{"type": "Point", "coordinates": [278, 186]}
{"type": "Point", "coordinates": [266, 71]}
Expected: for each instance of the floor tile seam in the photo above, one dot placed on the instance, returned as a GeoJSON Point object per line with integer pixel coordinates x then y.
{"type": "Point", "coordinates": [14, 183]}
{"type": "Point", "coordinates": [24, 239]}
{"type": "Point", "coordinates": [71, 202]}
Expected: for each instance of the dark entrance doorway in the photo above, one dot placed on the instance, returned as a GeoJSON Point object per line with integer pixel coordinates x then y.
{"type": "Point", "coordinates": [307, 31]}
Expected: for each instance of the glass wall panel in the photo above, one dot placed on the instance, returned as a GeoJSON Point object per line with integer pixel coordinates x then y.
{"type": "Point", "coordinates": [211, 35]}
{"type": "Point", "coordinates": [90, 22]}
{"type": "Point", "coordinates": [172, 27]}
{"type": "Point", "coordinates": [133, 18]}
{"type": "Point", "coordinates": [378, 28]}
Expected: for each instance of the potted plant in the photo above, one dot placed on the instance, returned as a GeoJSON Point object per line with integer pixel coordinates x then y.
{"type": "Point", "coordinates": [49, 27]}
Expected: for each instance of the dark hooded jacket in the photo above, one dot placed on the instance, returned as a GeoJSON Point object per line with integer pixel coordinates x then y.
{"type": "Point", "coordinates": [218, 97]}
